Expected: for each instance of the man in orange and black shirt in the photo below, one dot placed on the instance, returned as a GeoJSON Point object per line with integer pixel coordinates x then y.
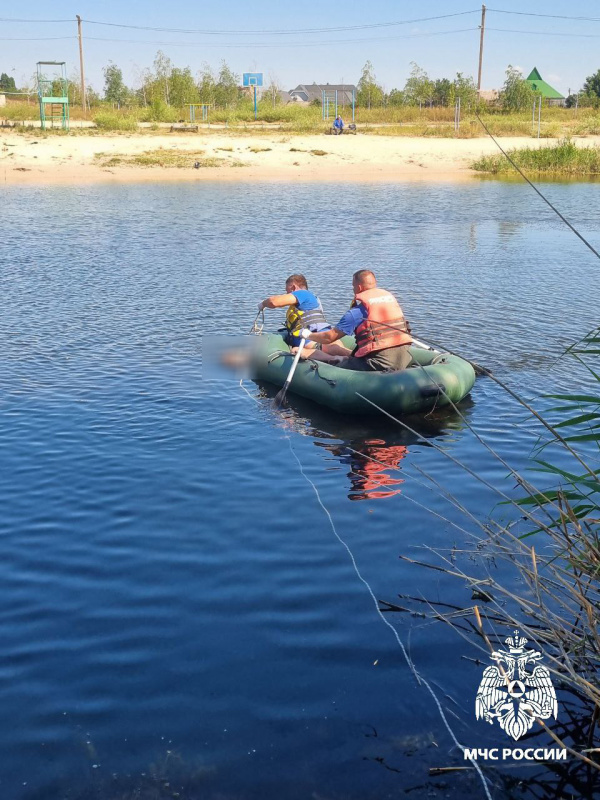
{"type": "Point", "coordinates": [378, 325]}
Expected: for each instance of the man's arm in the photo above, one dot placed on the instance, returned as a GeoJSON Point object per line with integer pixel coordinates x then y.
{"type": "Point", "coordinates": [278, 301]}
{"type": "Point", "coordinates": [324, 337]}
{"type": "Point", "coordinates": [345, 327]}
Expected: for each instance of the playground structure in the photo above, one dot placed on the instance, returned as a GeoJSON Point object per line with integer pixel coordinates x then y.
{"type": "Point", "coordinates": [53, 95]}
{"type": "Point", "coordinates": [330, 104]}
{"type": "Point", "coordinates": [254, 79]}
{"type": "Point", "coordinates": [204, 108]}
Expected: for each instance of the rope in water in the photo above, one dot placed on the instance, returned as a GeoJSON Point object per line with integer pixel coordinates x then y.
{"type": "Point", "coordinates": [535, 189]}
{"type": "Point", "coordinates": [417, 675]}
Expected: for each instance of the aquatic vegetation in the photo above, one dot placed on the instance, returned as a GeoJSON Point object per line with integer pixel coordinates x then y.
{"type": "Point", "coordinates": [540, 572]}
{"type": "Point", "coordinates": [564, 158]}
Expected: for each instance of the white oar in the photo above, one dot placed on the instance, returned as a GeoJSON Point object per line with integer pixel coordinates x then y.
{"type": "Point", "coordinates": [479, 370]}
{"type": "Point", "coordinates": [422, 345]}
{"type": "Point", "coordinates": [280, 396]}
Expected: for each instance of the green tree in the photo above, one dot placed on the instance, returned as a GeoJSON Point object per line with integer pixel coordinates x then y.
{"type": "Point", "coordinates": [516, 94]}
{"type": "Point", "coordinates": [115, 90]}
{"type": "Point", "coordinates": [419, 88]}
{"type": "Point", "coordinates": [465, 89]}
{"type": "Point", "coordinates": [227, 88]}
{"type": "Point", "coordinates": [591, 87]}
{"type": "Point", "coordinates": [272, 91]}
{"type": "Point", "coordinates": [396, 97]}
{"type": "Point", "coordinates": [206, 85]}
{"type": "Point", "coordinates": [145, 92]}
{"type": "Point", "coordinates": [182, 87]}
{"type": "Point", "coordinates": [442, 90]}
{"type": "Point", "coordinates": [7, 83]}
{"type": "Point", "coordinates": [370, 93]}
{"type": "Point", "coordinates": [163, 67]}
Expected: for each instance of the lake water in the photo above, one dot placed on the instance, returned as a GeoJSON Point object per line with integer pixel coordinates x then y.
{"type": "Point", "coordinates": [177, 616]}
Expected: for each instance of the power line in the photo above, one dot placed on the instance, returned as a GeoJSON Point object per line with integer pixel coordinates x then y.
{"type": "Point", "coordinates": [284, 32]}
{"type": "Point", "coordinates": [547, 33]}
{"type": "Point", "coordinates": [40, 39]}
{"type": "Point", "coordinates": [6, 19]}
{"type": "Point", "coordinates": [272, 44]}
{"type": "Point", "coordinates": [300, 44]}
{"type": "Point", "coordinates": [549, 16]}
{"type": "Point", "coordinates": [265, 32]}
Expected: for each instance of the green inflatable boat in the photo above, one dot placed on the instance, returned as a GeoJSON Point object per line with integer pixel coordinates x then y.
{"type": "Point", "coordinates": [433, 380]}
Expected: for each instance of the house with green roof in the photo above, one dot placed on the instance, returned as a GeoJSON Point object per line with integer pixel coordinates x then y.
{"type": "Point", "coordinates": [540, 87]}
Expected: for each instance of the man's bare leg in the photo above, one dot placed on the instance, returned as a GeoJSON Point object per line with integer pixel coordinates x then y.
{"type": "Point", "coordinates": [319, 355]}
{"type": "Point", "coordinates": [337, 350]}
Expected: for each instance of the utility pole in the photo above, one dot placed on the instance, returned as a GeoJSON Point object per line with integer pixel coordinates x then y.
{"type": "Point", "coordinates": [83, 100]}
{"type": "Point", "coordinates": [482, 27]}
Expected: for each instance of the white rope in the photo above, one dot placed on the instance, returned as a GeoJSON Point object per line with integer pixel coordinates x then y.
{"type": "Point", "coordinates": [418, 677]}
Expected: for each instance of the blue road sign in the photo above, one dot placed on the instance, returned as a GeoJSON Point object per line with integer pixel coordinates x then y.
{"type": "Point", "coordinates": [253, 79]}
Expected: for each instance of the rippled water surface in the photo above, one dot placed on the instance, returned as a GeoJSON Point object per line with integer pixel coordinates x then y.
{"type": "Point", "coordinates": [174, 605]}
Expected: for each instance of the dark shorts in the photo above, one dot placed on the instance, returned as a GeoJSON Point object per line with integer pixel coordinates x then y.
{"type": "Point", "coordinates": [390, 360]}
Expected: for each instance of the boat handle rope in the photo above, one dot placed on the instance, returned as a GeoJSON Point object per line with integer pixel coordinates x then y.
{"type": "Point", "coordinates": [257, 327]}
{"type": "Point", "coordinates": [315, 368]}
{"type": "Point", "coordinates": [277, 354]}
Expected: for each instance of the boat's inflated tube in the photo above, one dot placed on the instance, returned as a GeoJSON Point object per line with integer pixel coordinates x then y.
{"type": "Point", "coordinates": [433, 380]}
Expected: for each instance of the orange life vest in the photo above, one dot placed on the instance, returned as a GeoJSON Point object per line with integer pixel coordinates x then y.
{"type": "Point", "coordinates": [371, 335]}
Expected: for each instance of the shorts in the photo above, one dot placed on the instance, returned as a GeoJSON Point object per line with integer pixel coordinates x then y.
{"type": "Point", "coordinates": [391, 360]}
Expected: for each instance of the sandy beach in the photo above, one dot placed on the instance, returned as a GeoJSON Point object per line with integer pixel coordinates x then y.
{"type": "Point", "coordinates": [31, 158]}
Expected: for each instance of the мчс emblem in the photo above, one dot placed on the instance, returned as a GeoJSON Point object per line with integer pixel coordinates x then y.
{"type": "Point", "coordinates": [511, 694]}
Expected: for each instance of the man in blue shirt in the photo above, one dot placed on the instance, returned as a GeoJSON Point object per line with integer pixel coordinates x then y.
{"type": "Point", "coordinates": [304, 310]}
{"type": "Point", "coordinates": [338, 124]}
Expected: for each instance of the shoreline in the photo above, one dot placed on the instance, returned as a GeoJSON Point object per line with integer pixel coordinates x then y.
{"type": "Point", "coordinates": [35, 159]}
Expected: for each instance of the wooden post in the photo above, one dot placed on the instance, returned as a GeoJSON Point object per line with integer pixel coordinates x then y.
{"type": "Point", "coordinates": [83, 98]}
{"type": "Point", "coordinates": [481, 51]}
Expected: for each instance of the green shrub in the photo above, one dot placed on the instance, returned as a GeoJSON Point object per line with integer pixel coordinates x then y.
{"type": "Point", "coordinates": [111, 121]}
{"type": "Point", "coordinates": [159, 111]}
{"type": "Point", "coordinates": [564, 158]}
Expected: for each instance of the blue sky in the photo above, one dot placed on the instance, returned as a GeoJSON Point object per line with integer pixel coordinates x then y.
{"type": "Point", "coordinates": [442, 47]}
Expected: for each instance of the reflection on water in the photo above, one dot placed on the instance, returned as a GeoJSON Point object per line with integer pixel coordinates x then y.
{"type": "Point", "coordinates": [169, 582]}
{"type": "Point", "coordinates": [372, 468]}
{"type": "Point", "coordinates": [372, 450]}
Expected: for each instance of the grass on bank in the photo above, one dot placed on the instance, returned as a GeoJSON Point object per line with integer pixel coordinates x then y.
{"type": "Point", "coordinates": [179, 159]}
{"type": "Point", "coordinates": [393, 120]}
{"type": "Point", "coordinates": [564, 158]}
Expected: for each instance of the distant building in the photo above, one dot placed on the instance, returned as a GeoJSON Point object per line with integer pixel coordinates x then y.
{"type": "Point", "coordinates": [263, 93]}
{"type": "Point", "coordinates": [540, 87]}
{"type": "Point", "coordinates": [307, 92]}
{"type": "Point", "coordinates": [2, 99]}
{"type": "Point", "coordinates": [489, 95]}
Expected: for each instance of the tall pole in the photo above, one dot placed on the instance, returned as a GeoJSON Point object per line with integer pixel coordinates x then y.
{"type": "Point", "coordinates": [83, 102]}
{"type": "Point", "coordinates": [481, 51]}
